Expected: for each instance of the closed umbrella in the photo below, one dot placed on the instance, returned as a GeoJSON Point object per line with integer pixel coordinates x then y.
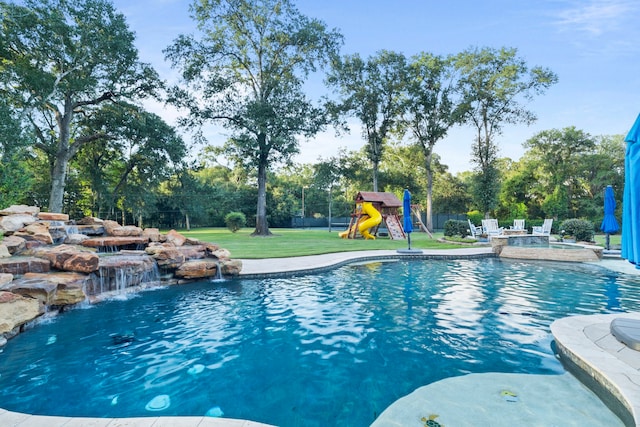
{"type": "Point", "coordinates": [609, 222]}
{"type": "Point", "coordinates": [631, 198]}
{"type": "Point", "coordinates": [406, 215]}
{"type": "Point", "coordinates": [407, 224]}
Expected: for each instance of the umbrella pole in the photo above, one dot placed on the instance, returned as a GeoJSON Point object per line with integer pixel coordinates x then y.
{"type": "Point", "coordinates": [409, 240]}
{"type": "Point", "coordinates": [606, 240]}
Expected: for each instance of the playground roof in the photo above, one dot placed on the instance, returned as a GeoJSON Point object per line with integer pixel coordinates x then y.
{"type": "Point", "coordinates": [388, 200]}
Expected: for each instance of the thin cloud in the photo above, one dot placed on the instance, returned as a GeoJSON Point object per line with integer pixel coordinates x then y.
{"type": "Point", "coordinates": [597, 17]}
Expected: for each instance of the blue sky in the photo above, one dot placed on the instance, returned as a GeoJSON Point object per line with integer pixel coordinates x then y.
{"type": "Point", "coordinates": [592, 45]}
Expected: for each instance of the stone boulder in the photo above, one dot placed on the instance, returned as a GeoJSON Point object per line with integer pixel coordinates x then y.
{"type": "Point", "coordinates": [112, 228]}
{"type": "Point", "coordinates": [115, 242]}
{"type": "Point", "coordinates": [69, 258]}
{"type": "Point", "coordinates": [153, 234]}
{"type": "Point", "coordinates": [192, 251]}
{"type": "Point", "coordinates": [14, 244]}
{"type": "Point", "coordinates": [15, 222]}
{"type": "Point", "coordinates": [209, 248]}
{"type": "Point", "coordinates": [89, 220]}
{"type": "Point", "coordinates": [75, 239]}
{"type": "Point", "coordinates": [231, 267]}
{"type": "Point", "coordinates": [126, 231]}
{"type": "Point", "coordinates": [20, 209]}
{"type": "Point", "coordinates": [221, 254]}
{"type": "Point", "coordinates": [51, 216]}
{"type": "Point", "coordinates": [4, 251]}
{"type": "Point", "coordinates": [40, 289]}
{"type": "Point", "coordinates": [37, 231]}
{"type": "Point", "coordinates": [171, 257]}
{"type": "Point", "coordinates": [16, 310]}
{"type": "Point", "coordinates": [198, 269]}
{"type": "Point", "coordinates": [175, 238]}
{"type": "Point", "coordinates": [166, 255]}
{"type": "Point", "coordinates": [23, 264]}
{"type": "Point", "coordinates": [90, 230]}
{"type": "Point", "coordinates": [69, 286]}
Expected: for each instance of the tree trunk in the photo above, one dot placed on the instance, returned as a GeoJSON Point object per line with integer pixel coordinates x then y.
{"type": "Point", "coordinates": [429, 212]}
{"type": "Point", "coordinates": [262, 227]}
{"type": "Point", "coordinates": [375, 176]}
{"type": "Point", "coordinates": [330, 204]}
{"type": "Point", "coordinates": [61, 162]}
{"type": "Point", "coordinates": [58, 179]}
{"type": "Point", "coordinates": [187, 222]}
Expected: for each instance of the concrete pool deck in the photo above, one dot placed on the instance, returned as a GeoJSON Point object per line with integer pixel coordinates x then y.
{"type": "Point", "coordinates": [586, 337]}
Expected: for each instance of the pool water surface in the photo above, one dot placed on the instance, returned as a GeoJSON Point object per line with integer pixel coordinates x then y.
{"type": "Point", "coordinates": [334, 348]}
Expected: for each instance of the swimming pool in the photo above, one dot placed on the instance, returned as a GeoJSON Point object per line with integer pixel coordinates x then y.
{"type": "Point", "coordinates": [321, 349]}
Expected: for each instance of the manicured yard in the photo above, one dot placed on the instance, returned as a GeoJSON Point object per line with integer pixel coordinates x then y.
{"type": "Point", "coordinates": [287, 242]}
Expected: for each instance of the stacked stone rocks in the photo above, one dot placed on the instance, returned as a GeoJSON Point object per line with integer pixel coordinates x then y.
{"type": "Point", "coordinates": [48, 262]}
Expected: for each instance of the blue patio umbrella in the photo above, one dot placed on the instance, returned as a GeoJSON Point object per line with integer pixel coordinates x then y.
{"type": "Point", "coordinates": [406, 215]}
{"type": "Point", "coordinates": [631, 198]}
{"type": "Point", "coordinates": [609, 222]}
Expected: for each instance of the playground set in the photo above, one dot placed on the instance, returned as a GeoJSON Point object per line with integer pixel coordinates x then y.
{"type": "Point", "coordinates": [373, 209]}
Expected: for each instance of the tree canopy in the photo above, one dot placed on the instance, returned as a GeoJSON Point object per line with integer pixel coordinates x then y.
{"type": "Point", "coordinates": [495, 85]}
{"type": "Point", "coordinates": [246, 69]}
{"type": "Point", "coordinates": [430, 109]}
{"type": "Point", "coordinates": [370, 90]}
{"type": "Point", "coordinates": [61, 60]}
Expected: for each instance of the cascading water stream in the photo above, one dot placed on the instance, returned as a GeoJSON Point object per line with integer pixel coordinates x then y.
{"type": "Point", "coordinates": [117, 272]}
{"type": "Point", "coordinates": [218, 277]}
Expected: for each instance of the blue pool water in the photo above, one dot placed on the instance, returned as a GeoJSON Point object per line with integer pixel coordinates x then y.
{"type": "Point", "coordinates": [322, 349]}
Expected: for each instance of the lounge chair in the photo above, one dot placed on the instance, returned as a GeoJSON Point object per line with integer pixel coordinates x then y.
{"type": "Point", "coordinates": [490, 226]}
{"type": "Point", "coordinates": [544, 230]}
{"type": "Point", "coordinates": [474, 230]}
{"type": "Point", "coordinates": [518, 224]}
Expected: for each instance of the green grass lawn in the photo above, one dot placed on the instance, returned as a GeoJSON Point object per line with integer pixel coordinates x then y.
{"type": "Point", "coordinates": [287, 242]}
{"type": "Point", "coordinates": [614, 240]}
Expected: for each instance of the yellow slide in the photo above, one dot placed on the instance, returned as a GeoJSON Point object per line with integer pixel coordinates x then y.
{"type": "Point", "coordinates": [365, 224]}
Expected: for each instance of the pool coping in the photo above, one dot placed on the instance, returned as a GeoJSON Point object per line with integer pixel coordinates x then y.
{"type": "Point", "coordinates": [581, 346]}
{"type": "Point", "coordinates": [608, 367]}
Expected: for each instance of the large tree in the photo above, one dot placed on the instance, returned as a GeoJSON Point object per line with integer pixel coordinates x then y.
{"type": "Point", "coordinates": [495, 86]}
{"type": "Point", "coordinates": [124, 169]}
{"type": "Point", "coordinates": [246, 70]}
{"type": "Point", "coordinates": [559, 158]}
{"type": "Point", "coordinates": [371, 91]}
{"type": "Point", "coordinates": [62, 59]}
{"type": "Point", "coordinates": [430, 110]}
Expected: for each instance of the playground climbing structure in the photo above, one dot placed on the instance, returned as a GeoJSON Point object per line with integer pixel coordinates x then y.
{"type": "Point", "coordinates": [386, 205]}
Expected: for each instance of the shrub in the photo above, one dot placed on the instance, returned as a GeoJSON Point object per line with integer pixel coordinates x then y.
{"type": "Point", "coordinates": [582, 229]}
{"type": "Point", "coordinates": [454, 227]}
{"type": "Point", "coordinates": [235, 221]}
{"type": "Point", "coordinates": [476, 217]}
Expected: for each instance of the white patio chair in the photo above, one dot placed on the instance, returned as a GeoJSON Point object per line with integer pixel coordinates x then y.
{"type": "Point", "coordinates": [490, 226]}
{"type": "Point", "coordinates": [544, 230]}
{"type": "Point", "coordinates": [475, 231]}
{"type": "Point", "coordinates": [518, 224]}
